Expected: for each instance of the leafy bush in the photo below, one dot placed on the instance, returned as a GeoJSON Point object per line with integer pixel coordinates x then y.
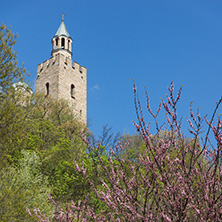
{"type": "Point", "coordinates": [21, 187]}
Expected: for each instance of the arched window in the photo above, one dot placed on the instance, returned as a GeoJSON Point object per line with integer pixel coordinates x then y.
{"type": "Point", "coordinates": [72, 91]}
{"type": "Point", "coordinates": [63, 43]}
{"type": "Point", "coordinates": [69, 48]}
{"type": "Point", "coordinates": [47, 88]}
{"type": "Point", "coordinates": [57, 41]}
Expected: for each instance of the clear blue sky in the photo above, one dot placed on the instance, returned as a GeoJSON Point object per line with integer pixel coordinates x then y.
{"type": "Point", "coordinates": [150, 41]}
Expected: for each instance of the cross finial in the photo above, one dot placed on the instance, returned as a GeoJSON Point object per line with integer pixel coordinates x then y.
{"type": "Point", "coordinates": [63, 16]}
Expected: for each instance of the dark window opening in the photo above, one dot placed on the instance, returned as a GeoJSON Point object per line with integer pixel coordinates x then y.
{"type": "Point", "coordinates": [63, 43]}
{"type": "Point", "coordinates": [72, 91]}
{"type": "Point", "coordinates": [69, 45]}
{"type": "Point", "coordinates": [56, 42]}
{"type": "Point", "coordinates": [47, 88]}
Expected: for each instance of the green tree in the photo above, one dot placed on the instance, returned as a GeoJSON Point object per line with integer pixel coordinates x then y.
{"type": "Point", "coordinates": [55, 134]}
{"type": "Point", "coordinates": [12, 115]}
{"type": "Point", "coordinates": [22, 187]}
{"type": "Point", "coordinates": [9, 70]}
{"type": "Point", "coordinates": [13, 127]}
{"type": "Point", "coordinates": [133, 145]}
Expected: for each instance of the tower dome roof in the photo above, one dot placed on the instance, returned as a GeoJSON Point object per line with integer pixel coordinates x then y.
{"type": "Point", "coordinates": [20, 85]}
{"type": "Point", "coordinates": [62, 31]}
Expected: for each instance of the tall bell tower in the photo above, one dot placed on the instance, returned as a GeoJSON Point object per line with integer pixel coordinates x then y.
{"type": "Point", "coordinates": [60, 78]}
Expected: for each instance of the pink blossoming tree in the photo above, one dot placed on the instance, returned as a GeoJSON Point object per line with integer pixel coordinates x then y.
{"type": "Point", "coordinates": [174, 179]}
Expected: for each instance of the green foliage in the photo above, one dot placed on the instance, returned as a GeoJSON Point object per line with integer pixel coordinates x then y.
{"type": "Point", "coordinates": [12, 114]}
{"type": "Point", "coordinates": [133, 145]}
{"type": "Point", "coordinates": [22, 187]}
{"type": "Point", "coordinates": [55, 134]}
{"type": "Point", "coordinates": [49, 128]}
{"type": "Point", "coordinates": [9, 71]}
{"type": "Point", "coordinates": [13, 128]}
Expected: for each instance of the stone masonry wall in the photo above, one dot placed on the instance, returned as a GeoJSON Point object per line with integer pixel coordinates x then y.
{"type": "Point", "coordinates": [61, 73]}
{"type": "Point", "coordinates": [48, 72]}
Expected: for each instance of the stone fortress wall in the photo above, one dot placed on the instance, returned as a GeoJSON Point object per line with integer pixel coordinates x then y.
{"type": "Point", "coordinates": [60, 78]}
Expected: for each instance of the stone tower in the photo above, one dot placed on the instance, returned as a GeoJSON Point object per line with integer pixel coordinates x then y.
{"type": "Point", "coordinates": [60, 78]}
